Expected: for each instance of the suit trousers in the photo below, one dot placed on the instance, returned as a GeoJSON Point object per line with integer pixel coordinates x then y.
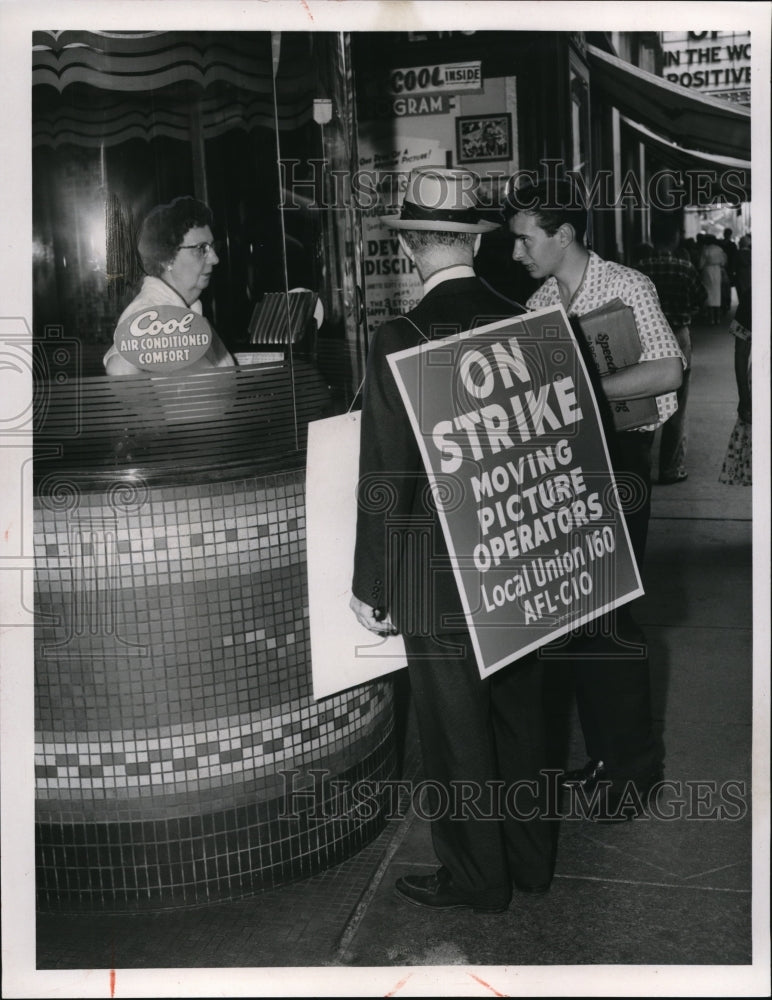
{"type": "Point", "coordinates": [474, 734]}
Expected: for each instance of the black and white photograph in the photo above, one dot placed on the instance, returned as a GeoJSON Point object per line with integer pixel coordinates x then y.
{"type": "Point", "coordinates": [385, 538]}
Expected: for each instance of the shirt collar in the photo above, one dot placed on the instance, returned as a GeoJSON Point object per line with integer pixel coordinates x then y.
{"type": "Point", "coordinates": [168, 295]}
{"type": "Point", "coordinates": [448, 274]}
{"type": "Point", "coordinates": [594, 263]}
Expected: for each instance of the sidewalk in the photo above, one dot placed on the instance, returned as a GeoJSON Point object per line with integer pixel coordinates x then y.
{"type": "Point", "coordinates": [649, 892]}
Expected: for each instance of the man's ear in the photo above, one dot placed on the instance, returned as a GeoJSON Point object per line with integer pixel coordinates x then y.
{"type": "Point", "coordinates": [405, 248]}
{"type": "Point", "coordinates": [477, 242]}
{"type": "Point", "coordinates": [566, 233]}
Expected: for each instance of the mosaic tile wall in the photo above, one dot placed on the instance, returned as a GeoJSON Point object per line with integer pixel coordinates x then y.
{"type": "Point", "coordinates": [175, 723]}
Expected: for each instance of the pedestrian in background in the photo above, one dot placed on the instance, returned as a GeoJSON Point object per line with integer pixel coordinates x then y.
{"type": "Point", "coordinates": [729, 247]}
{"type": "Point", "coordinates": [712, 262]}
{"type": "Point", "coordinates": [737, 468]}
{"type": "Point", "coordinates": [742, 274]}
{"type": "Point", "coordinates": [681, 296]}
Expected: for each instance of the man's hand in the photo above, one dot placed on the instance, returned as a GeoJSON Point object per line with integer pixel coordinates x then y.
{"type": "Point", "coordinates": [366, 616]}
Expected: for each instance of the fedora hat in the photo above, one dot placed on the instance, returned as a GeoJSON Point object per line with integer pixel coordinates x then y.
{"type": "Point", "coordinates": [440, 199]}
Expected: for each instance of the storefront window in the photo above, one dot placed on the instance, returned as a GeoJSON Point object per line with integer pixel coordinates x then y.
{"type": "Point", "coordinates": [425, 101]}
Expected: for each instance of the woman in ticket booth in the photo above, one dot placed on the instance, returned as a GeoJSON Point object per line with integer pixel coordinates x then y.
{"type": "Point", "coordinates": [178, 256]}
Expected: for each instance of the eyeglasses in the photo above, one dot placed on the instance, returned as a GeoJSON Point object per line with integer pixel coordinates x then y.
{"type": "Point", "coordinates": [202, 249]}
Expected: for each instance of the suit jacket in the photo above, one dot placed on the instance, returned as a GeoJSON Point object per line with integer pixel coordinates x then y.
{"type": "Point", "coordinates": [401, 562]}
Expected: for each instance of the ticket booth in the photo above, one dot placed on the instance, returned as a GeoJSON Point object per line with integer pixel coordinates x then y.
{"type": "Point", "coordinates": [180, 754]}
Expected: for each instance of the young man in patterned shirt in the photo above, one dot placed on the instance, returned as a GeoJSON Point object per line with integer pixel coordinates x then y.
{"type": "Point", "coordinates": [548, 222]}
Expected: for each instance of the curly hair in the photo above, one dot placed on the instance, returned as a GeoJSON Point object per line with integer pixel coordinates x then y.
{"type": "Point", "coordinates": [164, 228]}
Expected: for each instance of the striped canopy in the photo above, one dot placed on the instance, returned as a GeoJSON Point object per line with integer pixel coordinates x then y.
{"type": "Point", "coordinates": [100, 88]}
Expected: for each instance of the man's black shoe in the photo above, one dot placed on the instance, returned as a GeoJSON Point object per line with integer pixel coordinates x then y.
{"type": "Point", "coordinates": [533, 890]}
{"type": "Point", "coordinates": [620, 802]}
{"type": "Point", "coordinates": [436, 891]}
{"type": "Point", "coordinates": [592, 771]}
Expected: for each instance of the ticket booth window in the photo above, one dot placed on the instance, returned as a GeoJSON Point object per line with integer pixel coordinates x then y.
{"type": "Point", "coordinates": [256, 124]}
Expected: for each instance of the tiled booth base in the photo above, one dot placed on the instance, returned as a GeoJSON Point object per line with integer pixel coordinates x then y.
{"type": "Point", "coordinates": [180, 756]}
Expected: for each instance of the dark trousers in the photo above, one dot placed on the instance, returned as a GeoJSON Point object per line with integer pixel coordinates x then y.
{"type": "Point", "coordinates": [631, 461]}
{"type": "Point", "coordinates": [610, 657]}
{"type": "Point", "coordinates": [474, 732]}
{"type": "Point", "coordinates": [613, 699]}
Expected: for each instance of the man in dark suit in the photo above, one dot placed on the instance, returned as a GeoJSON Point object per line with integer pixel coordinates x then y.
{"type": "Point", "coordinates": [482, 740]}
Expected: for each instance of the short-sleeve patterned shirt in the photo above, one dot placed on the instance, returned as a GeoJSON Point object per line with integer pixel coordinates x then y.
{"type": "Point", "coordinates": [603, 281]}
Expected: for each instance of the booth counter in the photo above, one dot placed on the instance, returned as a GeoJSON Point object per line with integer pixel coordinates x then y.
{"type": "Point", "coordinates": [180, 755]}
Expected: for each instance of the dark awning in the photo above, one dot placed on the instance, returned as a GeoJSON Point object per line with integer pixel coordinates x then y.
{"type": "Point", "coordinates": [700, 123]}
{"type": "Point", "coordinates": [721, 175]}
